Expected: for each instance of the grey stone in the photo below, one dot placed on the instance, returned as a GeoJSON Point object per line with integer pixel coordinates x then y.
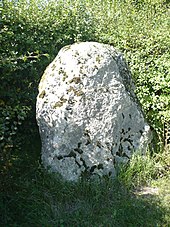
{"type": "Point", "coordinates": [88, 115]}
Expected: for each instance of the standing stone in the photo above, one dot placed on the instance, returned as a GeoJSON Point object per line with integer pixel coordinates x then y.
{"type": "Point", "coordinates": [88, 116]}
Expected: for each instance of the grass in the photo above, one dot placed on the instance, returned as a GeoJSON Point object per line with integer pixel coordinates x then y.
{"type": "Point", "coordinates": [164, 188]}
{"type": "Point", "coordinates": [45, 200]}
{"type": "Point", "coordinates": [37, 198]}
{"type": "Point", "coordinates": [142, 169]}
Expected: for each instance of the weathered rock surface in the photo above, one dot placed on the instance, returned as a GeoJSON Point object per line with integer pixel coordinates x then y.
{"type": "Point", "coordinates": [87, 113]}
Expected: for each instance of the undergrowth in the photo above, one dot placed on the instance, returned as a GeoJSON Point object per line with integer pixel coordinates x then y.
{"type": "Point", "coordinates": [39, 198]}
{"type": "Point", "coordinates": [143, 169]}
{"type": "Point", "coordinates": [42, 199]}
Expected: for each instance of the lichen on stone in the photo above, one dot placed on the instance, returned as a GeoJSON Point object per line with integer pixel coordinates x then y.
{"type": "Point", "coordinates": [42, 94]}
{"type": "Point", "coordinates": [60, 103]}
{"type": "Point", "coordinates": [88, 115]}
{"type": "Point", "coordinates": [76, 80]}
{"type": "Point", "coordinates": [66, 48]}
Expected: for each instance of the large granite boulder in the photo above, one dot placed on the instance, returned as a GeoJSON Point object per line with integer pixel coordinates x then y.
{"type": "Point", "coordinates": [88, 116]}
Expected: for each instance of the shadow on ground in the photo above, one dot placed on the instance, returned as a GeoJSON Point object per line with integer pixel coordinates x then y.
{"type": "Point", "coordinates": [33, 197]}
{"type": "Point", "coordinates": [41, 199]}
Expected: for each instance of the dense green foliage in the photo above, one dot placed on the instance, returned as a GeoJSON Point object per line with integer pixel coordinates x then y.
{"type": "Point", "coordinates": [31, 34]}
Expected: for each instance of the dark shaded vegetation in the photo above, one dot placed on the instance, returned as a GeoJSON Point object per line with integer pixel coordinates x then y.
{"type": "Point", "coordinates": [40, 199]}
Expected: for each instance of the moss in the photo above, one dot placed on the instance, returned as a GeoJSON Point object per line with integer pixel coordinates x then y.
{"type": "Point", "coordinates": [71, 89]}
{"type": "Point", "coordinates": [63, 99]}
{"type": "Point", "coordinates": [63, 73]}
{"type": "Point", "coordinates": [76, 92]}
{"type": "Point", "coordinates": [42, 94]}
{"type": "Point", "coordinates": [79, 93]}
{"type": "Point", "coordinates": [65, 76]}
{"type": "Point", "coordinates": [81, 69]}
{"type": "Point", "coordinates": [60, 103]}
{"type": "Point", "coordinates": [53, 67]}
{"type": "Point", "coordinates": [76, 80]}
{"type": "Point", "coordinates": [66, 48]}
{"type": "Point", "coordinates": [43, 78]}
{"type": "Point", "coordinates": [98, 60]}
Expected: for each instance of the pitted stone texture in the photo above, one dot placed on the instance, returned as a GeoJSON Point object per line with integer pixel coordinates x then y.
{"type": "Point", "coordinates": [87, 113]}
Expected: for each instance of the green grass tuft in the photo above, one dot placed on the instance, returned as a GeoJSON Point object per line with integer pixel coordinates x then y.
{"type": "Point", "coordinates": [142, 169]}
